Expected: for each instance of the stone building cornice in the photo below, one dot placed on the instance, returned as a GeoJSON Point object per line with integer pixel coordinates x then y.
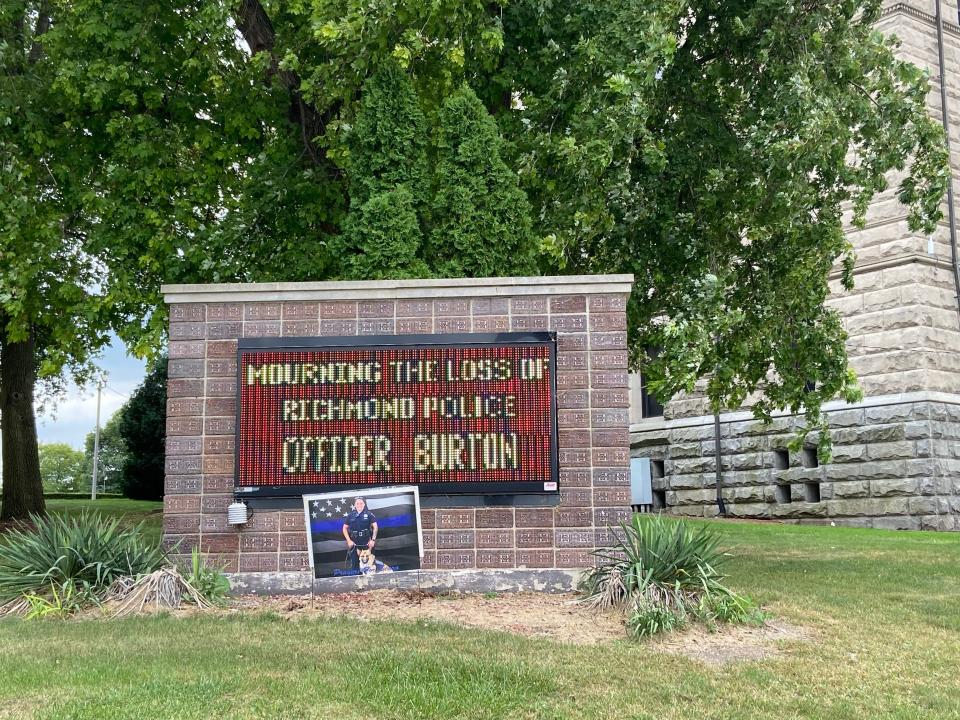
{"type": "Point", "coordinates": [907, 9]}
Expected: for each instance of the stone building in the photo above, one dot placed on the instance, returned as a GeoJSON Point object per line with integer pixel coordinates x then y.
{"type": "Point", "coordinates": [896, 457]}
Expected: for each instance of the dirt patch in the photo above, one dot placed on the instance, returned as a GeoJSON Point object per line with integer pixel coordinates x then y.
{"type": "Point", "coordinates": [555, 616]}
{"type": "Point", "coordinates": [731, 643]}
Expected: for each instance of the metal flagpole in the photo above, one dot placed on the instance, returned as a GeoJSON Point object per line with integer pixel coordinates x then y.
{"type": "Point", "coordinates": [96, 441]}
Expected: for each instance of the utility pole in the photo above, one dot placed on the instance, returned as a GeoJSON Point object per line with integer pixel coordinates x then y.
{"type": "Point", "coordinates": [96, 440]}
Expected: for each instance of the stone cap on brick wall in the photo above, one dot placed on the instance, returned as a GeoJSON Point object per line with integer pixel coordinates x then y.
{"type": "Point", "coordinates": [399, 289]}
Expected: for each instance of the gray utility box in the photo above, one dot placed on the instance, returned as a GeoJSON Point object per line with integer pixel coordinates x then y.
{"type": "Point", "coordinates": [641, 489]}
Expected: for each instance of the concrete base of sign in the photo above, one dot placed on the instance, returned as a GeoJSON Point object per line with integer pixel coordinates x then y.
{"type": "Point", "coordinates": [552, 580]}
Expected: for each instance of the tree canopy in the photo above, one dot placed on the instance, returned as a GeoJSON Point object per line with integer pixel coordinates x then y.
{"type": "Point", "coordinates": [709, 148]}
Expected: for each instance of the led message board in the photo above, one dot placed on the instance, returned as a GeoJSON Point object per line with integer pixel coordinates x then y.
{"type": "Point", "coordinates": [451, 414]}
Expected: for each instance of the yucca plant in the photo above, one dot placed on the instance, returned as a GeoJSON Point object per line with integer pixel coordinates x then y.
{"type": "Point", "coordinates": [661, 572]}
{"type": "Point", "coordinates": [72, 555]}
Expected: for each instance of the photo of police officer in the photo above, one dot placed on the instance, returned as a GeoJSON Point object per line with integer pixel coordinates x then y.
{"type": "Point", "coordinates": [360, 531]}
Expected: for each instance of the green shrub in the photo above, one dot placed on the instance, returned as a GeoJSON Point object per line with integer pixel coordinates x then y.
{"type": "Point", "coordinates": [662, 573]}
{"type": "Point", "coordinates": [69, 556]}
{"type": "Point", "coordinates": [209, 582]}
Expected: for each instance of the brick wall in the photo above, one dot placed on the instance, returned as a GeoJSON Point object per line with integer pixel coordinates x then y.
{"type": "Point", "coordinates": [588, 314]}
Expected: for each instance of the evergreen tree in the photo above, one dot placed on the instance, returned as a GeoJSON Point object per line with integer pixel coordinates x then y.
{"type": "Point", "coordinates": [482, 217]}
{"type": "Point", "coordinates": [143, 428]}
{"type": "Point", "coordinates": [387, 230]}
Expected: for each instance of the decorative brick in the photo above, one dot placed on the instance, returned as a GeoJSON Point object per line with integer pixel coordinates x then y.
{"type": "Point", "coordinates": [534, 538]}
{"type": "Point", "coordinates": [294, 562]}
{"type": "Point", "coordinates": [178, 407]}
{"type": "Point", "coordinates": [180, 524]}
{"type": "Point", "coordinates": [495, 559]}
{"type": "Point", "coordinates": [221, 387]}
{"type": "Point", "coordinates": [449, 539]}
{"type": "Point", "coordinates": [221, 348]}
{"type": "Point", "coordinates": [183, 426]}
{"type": "Point", "coordinates": [611, 516]}
{"type": "Point", "coordinates": [222, 367]}
{"type": "Point", "coordinates": [224, 330]}
{"type": "Point", "coordinates": [213, 484]}
{"type": "Point", "coordinates": [610, 457]}
{"type": "Point", "coordinates": [610, 398]}
{"type": "Point", "coordinates": [575, 497]}
{"type": "Point", "coordinates": [490, 306]}
{"type": "Point", "coordinates": [452, 324]}
{"type": "Point", "coordinates": [215, 503]}
{"type": "Point", "coordinates": [262, 311]}
{"type": "Point", "coordinates": [608, 303]}
{"type": "Point", "coordinates": [534, 517]}
{"type": "Point", "coordinates": [574, 438]}
{"type": "Point", "coordinates": [219, 445]}
{"type": "Point", "coordinates": [572, 361]}
{"type": "Point", "coordinates": [574, 457]}
{"type": "Point", "coordinates": [292, 521]}
{"type": "Point", "coordinates": [259, 562]}
{"type": "Point", "coordinates": [573, 399]}
{"type": "Point", "coordinates": [264, 521]}
{"type": "Point", "coordinates": [339, 310]}
{"type": "Point", "coordinates": [415, 326]}
{"type": "Point", "coordinates": [300, 328]}
{"type": "Point", "coordinates": [572, 342]}
{"type": "Point", "coordinates": [189, 465]}
{"type": "Point", "coordinates": [224, 311]}
{"type": "Point", "coordinates": [491, 324]}
{"type": "Point", "coordinates": [574, 559]}
{"type": "Point", "coordinates": [568, 323]}
{"type": "Point", "coordinates": [455, 519]}
{"type": "Point", "coordinates": [218, 464]}
{"type": "Point", "coordinates": [607, 322]}
{"type": "Point", "coordinates": [376, 327]}
{"type": "Point", "coordinates": [259, 542]}
{"type": "Point", "coordinates": [607, 378]}
{"type": "Point", "coordinates": [192, 368]}
{"type": "Point", "coordinates": [528, 306]}
{"type": "Point", "coordinates": [300, 311]}
{"type": "Point", "coordinates": [293, 541]}
{"type": "Point", "coordinates": [376, 309]}
{"type": "Point", "coordinates": [414, 308]}
{"type": "Point", "coordinates": [574, 478]}
{"type": "Point", "coordinates": [528, 323]}
{"type": "Point", "coordinates": [338, 327]}
{"type": "Point", "coordinates": [220, 406]}
{"type": "Point", "coordinates": [214, 523]}
{"type": "Point", "coordinates": [181, 504]}
{"type": "Point", "coordinates": [188, 331]}
{"type": "Point", "coordinates": [574, 517]}
{"type": "Point", "coordinates": [179, 543]}
{"type": "Point", "coordinates": [451, 307]}
{"type": "Point", "coordinates": [612, 417]}
{"type": "Point", "coordinates": [220, 543]}
{"type": "Point", "coordinates": [429, 560]}
{"type": "Point", "coordinates": [187, 313]}
{"type": "Point", "coordinates": [611, 476]}
{"type": "Point", "coordinates": [568, 304]}
{"type": "Point", "coordinates": [494, 538]}
{"type": "Point", "coordinates": [428, 519]}
{"type": "Point", "coordinates": [182, 485]}
{"type": "Point", "coordinates": [573, 419]}
{"type": "Point", "coordinates": [575, 538]}
{"type": "Point", "coordinates": [184, 445]}
{"type": "Point", "coordinates": [611, 438]}
{"type": "Point", "coordinates": [455, 559]}
{"type": "Point", "coordinates": [534, 558]}
{"type": "Point", "coordinates": [429, 539]}
{"type": "Point", "coordinates": [608, 341]}
{"type": "Point", "coordinates": [611, 360]}
{"type": "Point", "coordinates": [191, 388]}
{"type": "Point", "coordinates": [494, 517]}
{"type": "Point", "coordinates": [265, 328]}
{"type": "Point", "coordinates": [219, 425]}
{"type": "Point", "coordinates": [567, 380]}
{"type": "Point", "coordinates": [186, 349]}
{"type": "Point", "coordinates": [606, 496]}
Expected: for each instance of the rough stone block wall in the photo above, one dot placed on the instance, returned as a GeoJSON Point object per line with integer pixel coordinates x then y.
{"type": "Point", "coordinates": [894, 466]}
{"type": "Point", "coordinates": [589, 316]}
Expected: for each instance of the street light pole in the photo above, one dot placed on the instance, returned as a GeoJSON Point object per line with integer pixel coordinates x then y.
{"type": "Point", "coordinates": [96, 441]}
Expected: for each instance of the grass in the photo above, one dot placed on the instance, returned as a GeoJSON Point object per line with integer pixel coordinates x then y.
{"type": "Point", "coordinates": [149, 512]}
{"type": "Point", "coordinates": [884, 607]}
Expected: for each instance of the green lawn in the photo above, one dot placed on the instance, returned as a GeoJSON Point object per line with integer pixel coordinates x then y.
{"type": "Point", "coordinates": [884, 608]}
{"type": "Point", "coordinates": [149, 512]}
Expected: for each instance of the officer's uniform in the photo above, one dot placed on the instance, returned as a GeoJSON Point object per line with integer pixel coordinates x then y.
{"type": "Point", "coordinates": [359, 527]}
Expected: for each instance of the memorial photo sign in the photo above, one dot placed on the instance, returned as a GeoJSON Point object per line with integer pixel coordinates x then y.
{"type": "Point", "coordinates": [450, 414]}
{"type": "Point", "coordinates": [363, 532]}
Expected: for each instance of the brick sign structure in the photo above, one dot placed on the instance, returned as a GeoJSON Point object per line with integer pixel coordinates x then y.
{"type": "Point", "coordinates": [588, 314]}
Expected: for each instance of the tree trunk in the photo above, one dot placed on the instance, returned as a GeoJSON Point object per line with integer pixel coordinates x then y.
{"type": "Point", "coordinates": [22, 488]}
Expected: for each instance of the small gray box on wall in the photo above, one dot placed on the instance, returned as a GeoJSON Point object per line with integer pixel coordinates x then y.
{"type": "Point", "coordinates": [641, 490]}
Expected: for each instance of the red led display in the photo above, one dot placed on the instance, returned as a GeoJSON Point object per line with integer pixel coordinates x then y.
{"type": "Point", "coordinates": [449, 418]}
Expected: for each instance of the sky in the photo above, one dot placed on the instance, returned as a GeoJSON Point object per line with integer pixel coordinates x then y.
{"type": "Point", "coordinates": [75, 415]}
